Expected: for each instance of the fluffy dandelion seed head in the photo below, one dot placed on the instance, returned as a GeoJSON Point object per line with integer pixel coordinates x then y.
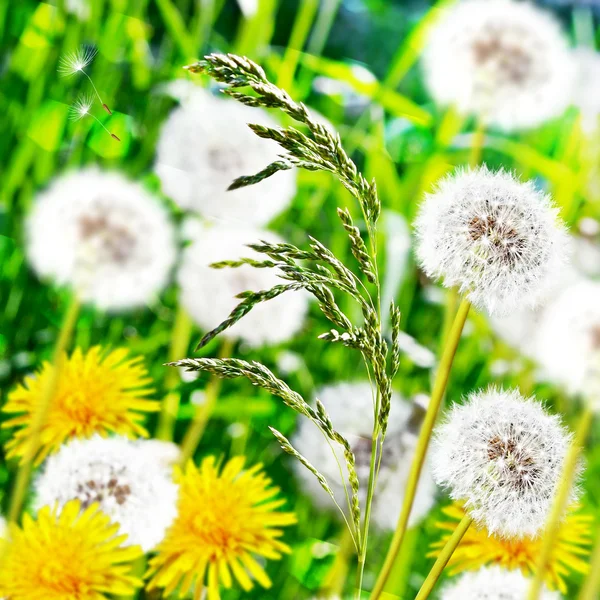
{"type": "Point", "coordinates": [502, 455]}
{"type": "Point", "coordinates": [567, 341]}
{"type": "Point", "coordinates": [227, 517]}
{"type": "Point", "coordinates": [209, 294]}
{"type": "Point", "coordinates": [98, 392]}
{"type": "Point", "coordinates": [77, 555]}
{"type": "Point", "coordinates": [104, 235]}
{"type": "Point", "coordinates": [479, 548]}
{"type": "Point", "coordinates": [492, 583]}
{"type": "Point", "coordinates": [503, 60]}
{"type": "Point", "coordinates": [76, 61]}
{"type": "Point", "coordinates": [124, 479]}
{"type": "Point", "coordinates": [204, 145]}
{"type": "Point", "coordinates": [499, 240]}
{"type": "Point", "coordinates": [350, 406]}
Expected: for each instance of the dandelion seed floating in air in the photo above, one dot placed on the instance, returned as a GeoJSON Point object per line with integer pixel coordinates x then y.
{"type": "Point", "coordinates": [502, 455]}
{"type": "Point", "coordinates": [81, 109]}
{"type": "Point", "coordinates": [76, 62]}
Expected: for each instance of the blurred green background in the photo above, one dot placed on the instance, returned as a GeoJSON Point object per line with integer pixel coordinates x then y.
{"type": "Point", "coordinates": [385, 118]}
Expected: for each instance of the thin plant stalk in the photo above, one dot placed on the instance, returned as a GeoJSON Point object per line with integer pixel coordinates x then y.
{"type": "Point", "coordinates": [560, 503]}
{"type": "Point", "coordinates": [591, 585]}
{"type": "Point", "coordinates": [333, 584]}
{"type": "Point", "coordinates": [443, 558]}
{"type": "Point", "coordinates": [180, 342]}
{"type": "Point", "coordinates": [437, 395]}
{"type": "Point", "coordinates": [204, 411]}
{"type": "Point", "coordinates": [24, 472]}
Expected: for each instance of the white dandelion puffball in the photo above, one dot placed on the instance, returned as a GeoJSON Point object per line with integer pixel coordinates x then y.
{"type": "Point", "coordinates": [499, 240]}
{"type": "Point", "coordinates": [209, 294]}
{"type": "Point", "coordinates": [502, 455]}
{"type": "Point", "coordinates": [586, 91]}
{"type": "Point", "coordinates": [492, 583]}
{"type": "Point", "coordinates": [505, 61]}
{"type": "Point", "coordinates": [105, 236]}
{"type": "Point", "coordinates": [350, 406]}
{"type": "Point", "coordinates": [204, 145]}
{"type": "Point", "coordinates": [130, 485]}
{"type": "Point", "coordinates": [567, 340]}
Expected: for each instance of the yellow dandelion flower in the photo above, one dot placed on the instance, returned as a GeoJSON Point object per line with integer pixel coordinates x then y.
{"type": "Point", "coordinates": [479, 548]}
{"type": "Point", "coordinates": [75, 555]}
{"type": "Point", "coordinates": [225, 518]}
{"type": "Point", "coordinates": [97, 392]}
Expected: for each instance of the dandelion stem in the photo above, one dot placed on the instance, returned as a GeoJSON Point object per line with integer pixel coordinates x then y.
{"type": "Point", "coordinates": [590, 588]}
{"type": "Point", "coordinates": [45, 402]}
{"type": "Point", "coordinates": [203, 412]}
{"type": "Point", "coordinates": [560, 502]}
{"type": "Point", "coordinates": [180, 342]}
{"type": "Point", "coordinates": [443, 558]}
{"type": "Point", "coordinates": [437, 395]}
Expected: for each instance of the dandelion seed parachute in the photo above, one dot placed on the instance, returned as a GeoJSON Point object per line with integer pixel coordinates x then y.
{"type": "Point", "coordinates": [123, 477]}
{"type": "Point", "coordinates": [478, 548]}
{"type": "Point", "coordinates": [77, 554]}
{"type": "Point", "coordinates": [505, 61]}
{"type": "Point", "coordinates": [105, 236]}
{"type": "Point", "coordinates": [502, 455]}
{"type": "Point", "coordinates": [226, 518]}
{"type": "Point", "coordinates": [204, 145]}
{"type": "Point", "coordinates": [209, 294]}
{"type": "Point", "coordinates": [76, 61]}
{"type": "Point", "coordinates": [499, 240]}
{"type": "Point", "coordinates": [97, 392]}
{"type": "Point", "coordinates": [350, 406]}
{"type": "Point", "coordinates": [492, 583]}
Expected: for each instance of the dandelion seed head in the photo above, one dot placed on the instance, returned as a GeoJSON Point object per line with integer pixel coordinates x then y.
{"type": "Point", "coordinates": [492, 583]}
{"type": "Point", "coordinates": [350, 406]}
{"type": "Point", "coordinates": [567, 339]}
{"type": "Point", "coordinates": [502, 455]}
{"type": "Point", "coordinates": [76, 61]}
{"type": "Point", "coordinates": [505, 61]}
{"type": "Point", "coordinates": [499, 240]}
{"type": "Point", "coordinates": [227, 518]}
{"type": "Point", "coordinates": [124, 479]}
{"type": "Point", "coordinates": [209, 294]}
{"type": "Point", "coordinates": [204, 145]}
{"type": "Point", "coordinates": [79, 554]}
{"type": "Point", "coordinates": [105, 236]}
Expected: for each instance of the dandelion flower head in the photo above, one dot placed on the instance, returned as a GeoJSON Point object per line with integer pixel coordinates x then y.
{"type": "Point", "coordinates": [502, 455]}
{"type": "Point", "coordinates": [104, 235]}
{"type": "Point", "coordinates": [505, 61]}
{"type": "Point", "coordinates": [350, 406]}
{"type": "Point", "coordinates": [77, 555]}
{"type": "Point", "coordinates": [226, 518]}
{"type": "Point", "coordinates": [492, 583]}
{"type": "Point", "coordinates": [479, 548]}
{"type": "Point", "coordinates": [209, 295]}
{"type": "Point", "coordinates": [100, 392]}
{"type": "Point", "coordinates": [204, 145]}
{"type": "Point", "coordinates": [499, 240]}
{"type": "Point", "coordinates": [119, 475]}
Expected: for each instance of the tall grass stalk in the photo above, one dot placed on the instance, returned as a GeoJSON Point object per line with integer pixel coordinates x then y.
{"type": "Point", "coordinates": [560, 503]}
{"type": "Point", "coordinates": [24, 473]}
{"type": "Point", "coordinates": [437, 395]}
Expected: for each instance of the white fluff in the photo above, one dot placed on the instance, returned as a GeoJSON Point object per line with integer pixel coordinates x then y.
{"type": "Point", "coordinates": [350, 406]}
{"type": "Point", "coordinates": [502, 455]}
{"type": "Point", "coordinates": [105, 236]}
{"type": "Point", "coordinates": [130, 485]}
{"type": "Point", "coordinates": [205, 144]}
{"type": "Point", "coordinates": [209, 294]}
{"type": "Point", "coordinates": [498, 239]}
{"type": "Point", "coordinates": [492, 583]}
{"type": "Point", "coordinates": [505, 61]}
{"type": "Point", "coordinates": [567, 339]}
